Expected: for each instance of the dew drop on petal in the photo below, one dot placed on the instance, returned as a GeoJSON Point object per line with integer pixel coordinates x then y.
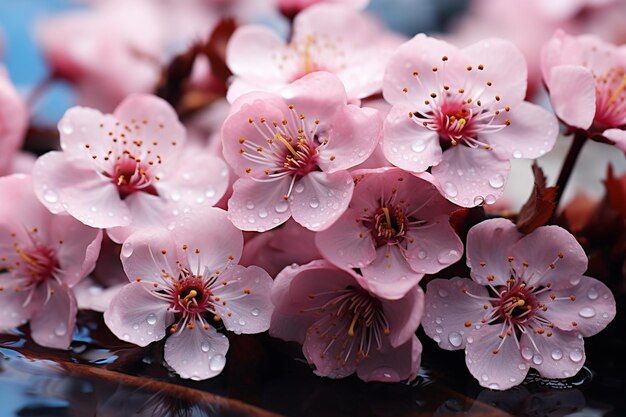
{"type": "Point", "coordinates": [517, 154]}
{"type": "Point", "coordinates": [255, 312]}
{"type": "Point", "coordinates": [175, 195]}
{"type": "Point", "coordinates": [205, 346]}
{"type": "Point", "coordinates": [242, 322]}
{"type": "Point", "coordinates": [527, 353]}
{"type": "Point", "coordinates": [151, 319]}
{"type": "Point", "coordinates": [125, 336]}
{"type": "Point", "coordinates": [217, 363]}
{"type": "Point", "coordinates": [210, 192]}
{"type": "Point", "coordinates": [421, 254]}
{"type": "Point", "coordinates": [135, 326]}
{"type": "Point", "coordinates": [576, 355]}
{"type": "Point", "coordinates": [418, 146]}
{"type": "Point", "coordinates": [439, 329]}
{"type": "Point", "coordinates": [575, 279]}
{"type": "Point", "coordinates": [592, 293]}
{"type": "Point", "coordinates": [61, 329]}
{"type": "Point", "coordinates": [484, 377]}
{"type": "Point", "coordinates": [450, 189]}
{"type": "Point", "coordinates": [447, 256]}
{"type": "Point", "coordinates": [250, 205]}
{"type": "Point", "coordinates": [281, 207]}
{"type": "Point", "coordinates": [587, 312]}
{"type": "Point", "coordinates": [470, 339]}
{"type": "Point", "coordinates": [556, 354]}
{"type": "Point", "coordinates": [67, 127]}
{"type": "Point", "coordinates": [497, 181]}
{"type": "Point", "coordinates": [455, 339]}
{"type": "Point", "coordinates": [263, 214]}
{"type": "Point", "coordinates": [490, 199]}
{"type": "Point", "coordinates": [299, 187]}
{"type": "Point", "coordinates": [512, 379]}
{"type": "Point", "coordinates": [436, 338]}
{"type": "Point", "coordinates": [537, 359]}
{"type": "Point", "coordinates": [314, 203]}
{"type": "Point", "coordinates": [50, 196]}
{"type": "Point", "coordinates": [478, 200]}
{"type": "Point", "coordinates": [127, 249]}
{"type": "Point", "coordinates": [494, 386]}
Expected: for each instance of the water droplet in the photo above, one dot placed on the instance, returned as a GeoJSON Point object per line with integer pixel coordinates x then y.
{"type": "Point", "coordinates": [494, 386]}
{"type": "Point", "coordinates": [281, 207]}
{"type": "Point", "coordinates": [490, 199]}
{"type": "Point", "coordinates": [439, 329]}
{"type": "Point", "coordinates": [470, 339]}
{"type": "Point", "coordinates": [527, 353]}
{"type": "Point", "coordinates": [67, 127]}
{"type": "Point", "coordinates": [485, 377]}
{"type": "Point", "coordinates": [512, 379]}
{"type": "Point", "coordinates": [592, 293]}
{"type": "Point", "coordinates": [448, 256]}
{"type": "Point", "coordinates": [127, 249]}
{"type": "Point", "coordinates": [299, 187]}
{"type": "Point", "coordinates": [242, 322]}
{"type": "Point", "coordinates": [61, 329]}
{"type": "Point", "coordinates": [438, 320]}
{"type": "Point", "coordinates": [587, 312]}
{"type": "Point", "coordinates": [442, 293]}
{"type": "Point", "coordinates": [125, 336]}
{"type": "Point", "coordinates": [436, 338]}
{"type": "Point", "coordinates": [210, 192]}
{"type": "Point", "coordinates": [455, 339]}
{"type": "Point", "coordinates": [517, 154]}
{"type": "Point", "coordinates": [418, 146]}
{"type": "Point", "coordinates": [263, 214]}
{"type": "Point", "coordinates": [200, 199]}
{"type": "Point", "coordinates": [249, 205]}
{"type": "Point", "coordinates": [537, 359]}
{"type": "Point", "coordinates": [521, 366]}
{"type": "Point", "coordinates": [135, 326]}
{"type": "Point", "coordinates": [50, 196]}
{"type": "Point", "coordinates": [575, 279]}
{"type": "Point", "coordinates": [576, 355]}
{"type": "Point", "coordinates": [497, 181]}
{"type": "Point", "coordinates": [478, 200]}
{"type": "Point", "coordinates": [421, 254]}
{"type": "Point", "coordinates": [151, 319]}
{"type": "Point", "coordinates": [251, 220]}
{"type": "Point", "coordinates": [450, 189]}
{"type": "Point", "coordinates": [255, 312]}
{"type": "Point", "coordinates": [605, 315]}
{"type": "Point", "coordinates": [205, 346]}
{"type": "Point", "coordinates": [556, 354]}
{"type": "Point", "coordinates": [175, 195]}
{"type": "Point", "coordinates": [217, 363]}
{"type": "Point", "coordinates": [314, 203]}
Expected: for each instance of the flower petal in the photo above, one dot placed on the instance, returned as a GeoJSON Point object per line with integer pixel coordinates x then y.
{"type": "Point", "coordinates": [13, 313]}
{"type": "Point", "coordinates": [197, 353]}
{"type": "Point", "coordinates": [137, 316]}
{"type": "Point", "coordinates": [404, 315]}
{"type": "Point", "coordinates": [560, 355]}
{"type": "Point", "coordinates": [146, 253]}
{"type": "Point", "coordinates": [393, 364]}
{"type": "Point", "coordinates": [250, 52]}
{"type": "Point", "coordinates": [618, 136]}
{"type": "Point", "coordinates": [433, 246]}
{"type": "Point", "coordinates": [53, 325]}
{"type": "Point", "coordinates": [579, 109]}
{"type": "Point", "coordinates": [389, 275]}
{"type": "Point", "coordinates": [318, 96]}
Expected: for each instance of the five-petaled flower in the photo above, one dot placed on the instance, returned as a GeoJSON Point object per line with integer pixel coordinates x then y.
{"type": "Point", "coordinates": [461, 112]}
{"type": "Point", "coordinates": [182, 282]}
{"type": "Point", "coordinates": [527, 305]}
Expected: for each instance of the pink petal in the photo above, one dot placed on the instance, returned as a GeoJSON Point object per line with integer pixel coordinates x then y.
{"type": "Point", "coordinates": [560, 355]}
{"type": "Point", "coordinates": [470, 177]}
{"type": "Point", "coordinates": [449, 309]}
{"type": "Point", "coordinates": [503, 65]}
{"type": "Point", "coordinates": [618, 136]}
{"type": "Point", "coordinates": [323, 355]}
{"type": "Point", "coordinates": [137, 316]}
{"type": "Point", "coordinates": [241, 86]}
{"type": "Point", "coordinates": [591, 309]}
{"type": "Point", "coordinates": [211, 239]}
{"type": "Point", "coordinates": [63, 185]}
{"type": "Point", "coordinates": [498, 371]}
{"type": "Point", "coordinates": [90, 295]}
{"type": "Point", "coordinates": [250, 52]}
{"type": "Point", "coordinates": [487, 259]}
{"type": "Point", "coordinates": [259, 206]}
{"type": "Point", "coordinates": [14, 117]}
{"type": "Point", "coordinates": [389, 275]}
{"type": "Point", "coordinates": [13, 313]}
{"type": "Point", "coordinates": [352, 138]}
{"type": "Point", "coordinates": [319, 199]}
{"type": "Point", "coordinates": [553, 256]}
{"type": "Point", "coordinates": [348, 244]}
{"type": "Point", "coordinates": [149, 251]}
{"type": "Point", "coordinates": [407, 144]}
{"type": "Point", "coordinates": [393, 364]}
{"type": "Point", "coordinates": [146, 211]}
{"type": "Point", "coordinates": [579, 109]}
{"type": "Point", "coordinates": [434, 246]}
{"type": "Point", "coordinates": [404, 315]}
{"type": "Point", "coordinates": [531, 134]}
{"type": "Point", "coordinates": [248, 307]}
{"type": "Point", "coordinates": [318, 95]}
{"type": "Point", "coordinates": [53, 325]}
{"type": "Point", "coordinates": [80, 249]}
{"type": "Point", "coordinates": [196, 353]}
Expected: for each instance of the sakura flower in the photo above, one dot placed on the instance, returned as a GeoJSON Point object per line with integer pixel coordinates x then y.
{"type": "Point", "coordinates": [181, 282]}
{"type": "Point", "coordinates": [461, 112]}
{"type": "Point", "coordinates": [292, 151]}
{"type": "Point", "coordinates": [42, 256]}
{"type": "Point", "coordinates": [527, 305]}
{"type": "Point", "coordinates": [326, 37]}
{"type": "Point", "coordinates": [396, 229]}
{"type": "Point", "coordinates": [343, 328]}
{"type": "Point", "coordinates": [586, 78]}
{"type": "Point", "coordinates": [13, 122]}
{"type": "Point", "coordinates": [126, 170]}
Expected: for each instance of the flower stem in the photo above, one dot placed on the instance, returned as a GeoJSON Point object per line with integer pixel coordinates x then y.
{"type": "Point", "coordinates": [580, 137]}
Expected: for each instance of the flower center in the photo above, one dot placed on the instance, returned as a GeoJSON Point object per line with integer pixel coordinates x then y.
{"type": "Point", "coordinates": [517, 304]}
{"type": "Point", "coordinates": [38, 263]}
{"type": "Point", "coordinates": [388, 226]}
{"type": "Point", "coordinates": [131, 176]}
{"type": "Point", "coordinates": [610, 98]}
{"type": "Point", "coordinates": [192, 296]}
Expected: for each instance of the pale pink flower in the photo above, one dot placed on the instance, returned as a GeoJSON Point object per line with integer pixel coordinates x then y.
{"type": "Point", "coordinates": [42, 256]}
{"type": "Point", "coordinates": [396, 229]}
{"type": "Point", "coordinates": [292, 152]}
{"type": "Point", "coordinates": [126, 170]}
{"type": "Point", "coordinates": [181, 282]}
{"type": "Point", "coordinates": [13, 122]}
{"type": "Point", "coordinates": [527, 305]}
{"type": "Point", "coordinates": [292, 7]}
{"type": "Point", "coordinates": [586, 78]}
{"type": "Point", "coordinates": [461, 112]}
{"type": "Point", "coordinates": [326, 37]}
{"type": "Point", "coordinates": [343, 328]}
{"type": "Point", "coordinates": [280, 247]}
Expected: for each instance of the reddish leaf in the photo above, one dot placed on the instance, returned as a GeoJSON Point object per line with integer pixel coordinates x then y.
{"type": "Point", "coordinates": [540, 206]}
{"type": "Point", "coordinates": [615, 190]}
{"type": "Point", "coordinates": [215, 48]}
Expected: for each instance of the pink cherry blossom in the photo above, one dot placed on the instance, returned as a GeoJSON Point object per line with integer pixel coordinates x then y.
{"type": "Point", "coordinates": [292, 7]}
{"type": "Point", "coordinates": [126, 170]}
{"type": "Point", "coordinates": [280, 247]}
{"type": "Point", "coordinates": [42, 256]}
{"type": "Point", "coordinates": [586, 78]}
{"type": "Point", "coordinates": [461, 112]}
{"type": "Point", "coordinates": [396, 229]}
{"type": "Point", "coordinates": [181, 282]}
{"type": "Point", "coordinates": [527, 305]}
{"type": "Point", "coordinates": [343, 328]}
{"type": "Point", "coordinates": [326, 37]}
{"type": "Point", "coordinates": [13, 122]}
{"type": "Point", "coordinates": [292, 151]}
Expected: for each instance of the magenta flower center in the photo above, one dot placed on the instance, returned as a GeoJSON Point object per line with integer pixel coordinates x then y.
{"type": "Point", "coordinates": [131, 176]}
{"type": "Point", "coordinates": [388, 225]}
{"type": "Point", "coordinates": [610, 98]}
{"type": "Point", "coordinates": [516, 304]}
{"type": "Point", "coordinates": [38, 263]}
{"type": "Point", "coordinates": [191, 296]}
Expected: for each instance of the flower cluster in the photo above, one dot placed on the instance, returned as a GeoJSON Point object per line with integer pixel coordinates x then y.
{"type": "Point", "coordinates": [303, 186]}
